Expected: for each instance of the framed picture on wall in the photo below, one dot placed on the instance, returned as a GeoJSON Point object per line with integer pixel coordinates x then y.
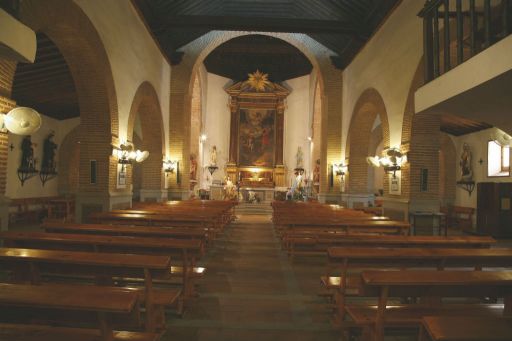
{"type": "Point", "coordinates": [256, 136]}
{"type": "Point", "coordinates": [121, 177]}
{"type": "Point", "coordinates": [395, 184]}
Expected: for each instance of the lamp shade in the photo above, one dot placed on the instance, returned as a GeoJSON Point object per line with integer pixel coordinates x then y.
{"type": "Point", "coordinates": [373, 161]}
{"type": "Point", "coordinates": [22, 121]}
{"type": "Point", "coordinates": [141, 156]}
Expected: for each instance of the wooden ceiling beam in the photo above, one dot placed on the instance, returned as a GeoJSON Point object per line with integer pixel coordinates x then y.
{"type": "Point", "coordinates": [229, 23]}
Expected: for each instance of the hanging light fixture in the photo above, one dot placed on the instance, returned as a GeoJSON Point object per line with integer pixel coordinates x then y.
{"type": "Point", "coordinates": [340, 169]}
{"type": "Point", "coordinates": [21, 121]}
{"type": "Point", "coordinates": [392, 162]}
{"type": "Point", "coordinates": [170, 166]}
{"type": "Point", "coordinates": [126, 155]}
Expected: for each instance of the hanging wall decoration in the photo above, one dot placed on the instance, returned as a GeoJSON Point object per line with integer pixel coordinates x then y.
{"type": "Point", "coordinates": [48, 166]}
{"type": "Point", "coordinates": [27, 168]}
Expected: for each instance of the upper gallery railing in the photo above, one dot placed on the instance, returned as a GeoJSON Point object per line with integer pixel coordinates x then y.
{"type": "Point", "coordinates": [456, 30]}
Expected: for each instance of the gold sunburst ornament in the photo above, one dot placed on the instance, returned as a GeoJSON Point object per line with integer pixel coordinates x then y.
{"type": "Point", "coordinates": [258, 81]}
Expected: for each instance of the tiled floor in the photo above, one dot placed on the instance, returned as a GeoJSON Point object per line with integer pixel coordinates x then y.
{"type": "Point", "coordinates": [251, 291]}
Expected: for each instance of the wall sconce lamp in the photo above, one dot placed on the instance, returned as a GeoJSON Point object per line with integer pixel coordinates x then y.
{"type": "Point", "coordinates": [392, 162]}
{"type": "Point", "coordinates": [203, 137]}
{"type": "Point", "coordinates": [170, 166]}
{"type": "Point", "coordinates": [340, 169]}
{"type": "Point", "coordinates": [126, 155]}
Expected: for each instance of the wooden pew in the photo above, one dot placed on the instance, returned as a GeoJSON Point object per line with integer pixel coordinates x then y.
{"type": "Point", "coordinates": [102, 301]}
{"type": "Point", "coordinates": [135, 231]}
{"type": "Point", "coordinates": [314, 243]}
{"type": "Point", "coordinates": [30, 265]}
{"type": "Point", "coordinates": [125, 230]}
{"type": "Point", "coordinates": [436, 258]}
{"type": "Point", "coordinates": [188, 250]}
{"type": "Point", "coordinates": [431, 286]}
{"type": "Point", "coordinates": [465, 328]}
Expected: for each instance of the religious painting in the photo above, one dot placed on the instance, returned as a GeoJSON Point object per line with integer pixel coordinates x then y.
{"type": "Point", "coordinates": [256, 137]}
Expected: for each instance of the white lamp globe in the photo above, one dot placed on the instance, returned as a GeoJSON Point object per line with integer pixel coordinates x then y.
{"type": "Point", "coordinates": [23, 121]}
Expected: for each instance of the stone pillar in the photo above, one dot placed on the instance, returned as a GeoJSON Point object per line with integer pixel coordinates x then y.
{"type": "Point", "coordinates": [279, 170]}
{"type": "Point", "coordinates": [6, 105]}
{"type": "Point", "coordinates": [279, 133]}
{"type": "Point", "coordinates": [233, 135]}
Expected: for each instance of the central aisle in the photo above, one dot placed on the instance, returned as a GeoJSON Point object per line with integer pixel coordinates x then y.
{"type": "Point", "coordinates": [251, 291]}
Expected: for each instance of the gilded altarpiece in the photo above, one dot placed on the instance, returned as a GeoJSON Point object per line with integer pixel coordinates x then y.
{"type": "Point", "coordinates": [256, 132]}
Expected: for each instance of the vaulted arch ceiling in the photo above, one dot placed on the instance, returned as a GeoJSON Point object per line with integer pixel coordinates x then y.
{"type": "Point", "coordinates": [343, 26]}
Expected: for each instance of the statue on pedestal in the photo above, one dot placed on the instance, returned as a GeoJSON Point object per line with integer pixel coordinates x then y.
{"type": "Point", "coordinates": [465, 163]}
{"type": "Point", "coordinates": [213, 156]}
{"type": "Point", "coordinates": [300, 158]}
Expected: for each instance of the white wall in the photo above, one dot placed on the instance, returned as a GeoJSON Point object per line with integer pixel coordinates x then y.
{"type": "Point", "coordinates": [134, 56]}
{"type": "Point", "coordinates": [387, 63]}
{"type": "Point", "coordinates": [217, 118]}
{"type": "Point", "coordinates": [33, 187]}
{"type": "Point", "coordinates": [297, 124]}
{"type": "Point", "coordinates": [478, 144]}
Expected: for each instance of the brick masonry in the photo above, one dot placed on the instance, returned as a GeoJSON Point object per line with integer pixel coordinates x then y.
{"type": "Point", "coordinates": [182, 81]}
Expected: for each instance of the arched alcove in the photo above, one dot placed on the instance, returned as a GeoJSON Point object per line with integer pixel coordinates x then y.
{"type": "Point", "coordinates": [146, 107]}
{"type": "Point", "coordinates": [368, 108]}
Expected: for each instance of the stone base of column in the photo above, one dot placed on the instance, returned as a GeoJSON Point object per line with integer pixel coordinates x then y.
{"type": "Point", "coordinates": [396, 208]}
{"type": "Point", "coordinates": [4, 213]}
{"type": "Point", "coordinates": [178, 194]}
{"type": "Point", "coordinates": [87, 203]}
{"type": "Point", "coordinates": [153, 195]}
{"type": "Point", "coordinates": [329, 197]}
{"type": "Point", "coordinates": [365, 198]}
{"type": "Point", "coordinates": [280, 176]}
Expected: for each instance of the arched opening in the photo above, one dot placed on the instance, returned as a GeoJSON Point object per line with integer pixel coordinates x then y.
{"type": "Point", "coordinates": [196, 145]}
{"type": "Point", "coordinates": [71, 31]}
{"type": "Point", "coordinates": [69, 163]}
{"type": "Point", "coordinates": [182, 83]}
{"type": "Point", "coordinates": [145, 113]}
{"type": "Point", "coordinates": [368, 120]}
{"type": "Point", "coordinates": [48, 87]}
{"type": "Point", "coordinates": [316, 143]}
{"type": "Point", "coordinates": [376, 147]}
{"type": "Point", "coordinates": [447, 171]}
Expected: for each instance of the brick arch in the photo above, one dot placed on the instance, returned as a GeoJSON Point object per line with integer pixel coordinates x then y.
{"type": "Point", "coordinates": [368, 106]}
{"type": "Point", "coordinates": [69, 162]}
{"type": "Point", "coordinates": [146, 106]}
{"type": "Point", "coordinates": [182, 81]}
{"type": "Point", "coordinates": [70, 29]}
{"type": "Point", "coordinates": [447, 170]}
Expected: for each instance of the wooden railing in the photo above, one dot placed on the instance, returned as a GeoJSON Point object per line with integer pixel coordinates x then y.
{"type": "Point", "coordinates": [477, 25]}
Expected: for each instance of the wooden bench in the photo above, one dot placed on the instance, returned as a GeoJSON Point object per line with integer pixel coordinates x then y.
{"type": "Point", "coordinates": [105, 302]}
{"type": "Point", "coordinates": [465, 328]}
{"type": "Point", "coordinates": [317, 243]}
{"type": "Point", "coordinates": [188, 250]}
{"type": "Point", "coordinates": [31, 265]}
{"type": "Point", "coordinates": [430, 286]}
{"type": "Point", "coordinates": [28, 210]}
{"type": "Point", "coordinates": [125, 230]}
{"type": "Point", "coordinates": [460, 217]}
{"type": "Point", "coordinates": [434, 258]}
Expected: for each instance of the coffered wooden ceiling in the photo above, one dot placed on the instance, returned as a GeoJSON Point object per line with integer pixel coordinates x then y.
{"type": "Point", "coordinates": [456, 125]}
{"type": "Point", "coordinates": [46, 85]}
{"type": "Point", "coordinates": [343, 26]}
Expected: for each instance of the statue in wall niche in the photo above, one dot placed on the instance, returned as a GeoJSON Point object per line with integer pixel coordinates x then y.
{"type": "Point", "coordinates": [300, 158]}
{"type": "Point", "coordinates": [27, 154]}
{"type": "Point", "coordinates": [49, 148]}
{"type": "Point", "coordinates": [193, 167]}
{"type": "Point", "coordinates": [465, 163]}
{"type": "Point", "coordinates": [213, 156]}
{"type": "Point", "coordinates": [316, 173]}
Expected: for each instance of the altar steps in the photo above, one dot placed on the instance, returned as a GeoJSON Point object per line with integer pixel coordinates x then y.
{"type": "Point", "coordinates": [253, 209]}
